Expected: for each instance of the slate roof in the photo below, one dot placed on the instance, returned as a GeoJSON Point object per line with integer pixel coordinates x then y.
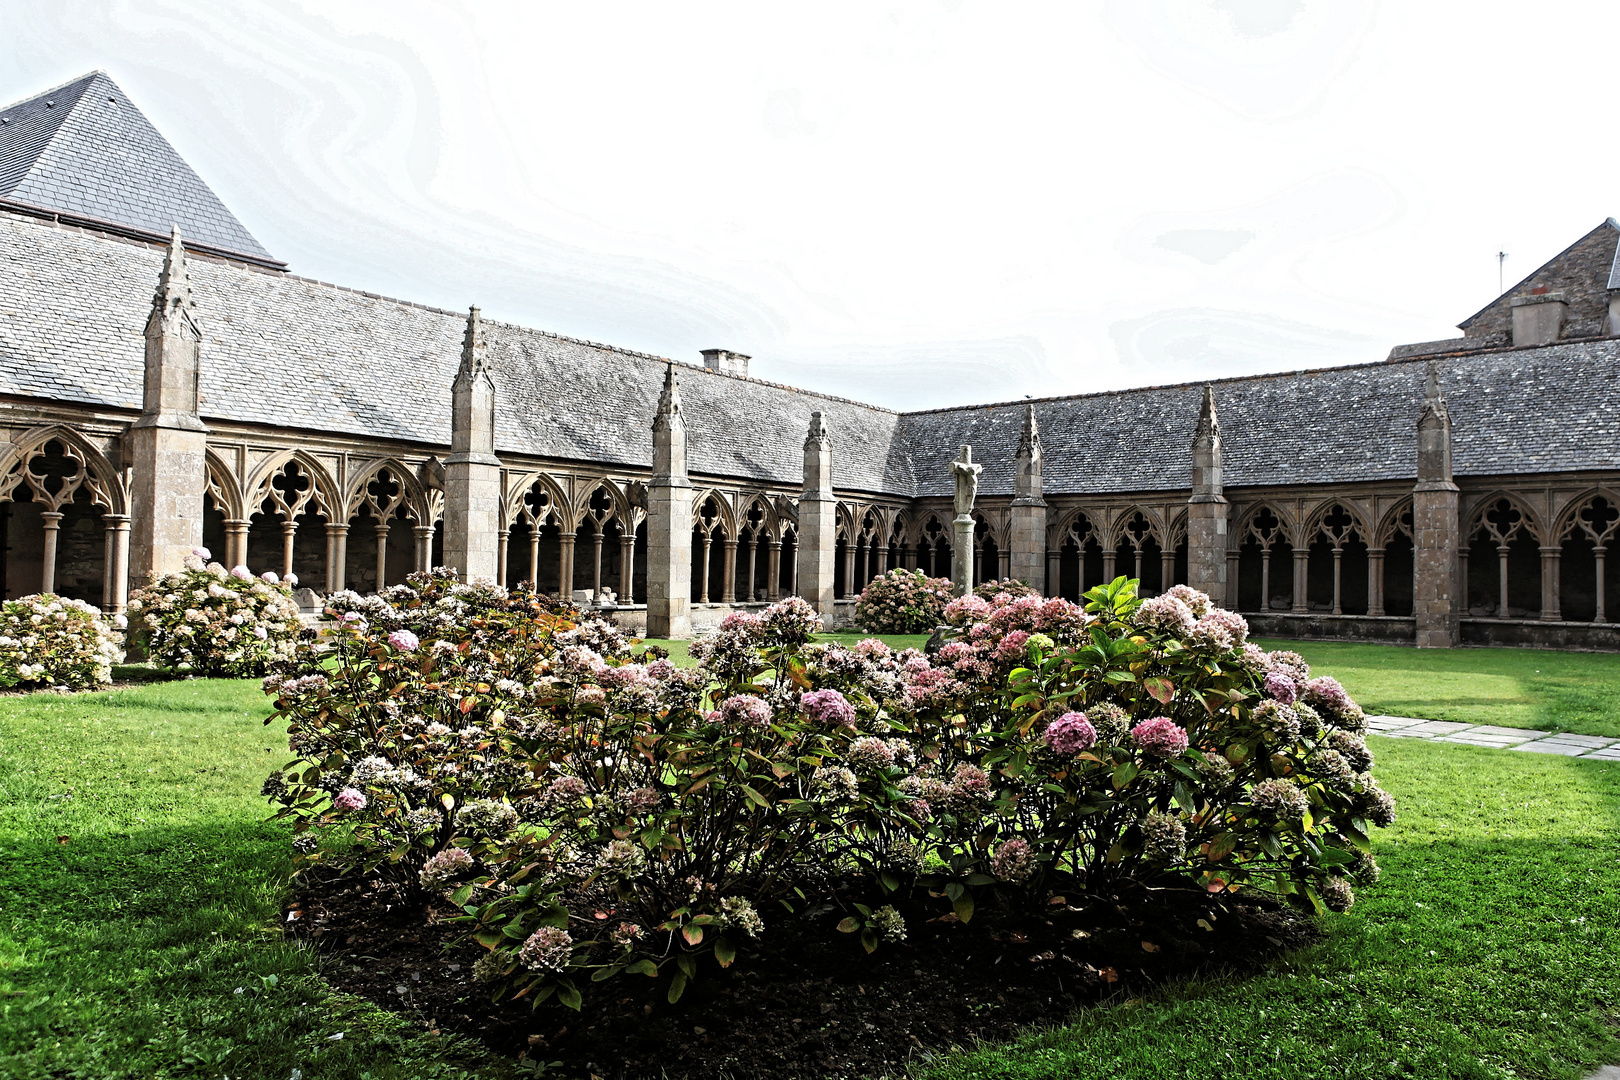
{"type": "Point", "coordinates": [85, 151]}
{"type": "Point", "coordinates": [1551, 408]}
{"type": "Point", "coordinates": [290, 352]}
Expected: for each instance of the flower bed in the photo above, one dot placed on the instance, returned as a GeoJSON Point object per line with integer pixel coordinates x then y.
{"type": "Point", "coordinates": [590, 815]}
{"type": "Point", "coordinates": [210, 621]}
{"type": "Point", "coordinates": [47, 640]}
{"type": "Point", "coordinates": [902, 602]}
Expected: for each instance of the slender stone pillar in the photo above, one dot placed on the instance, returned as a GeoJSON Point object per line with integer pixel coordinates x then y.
{"type": "Point", "coordinates": [472, 472]}
{"type": "Point", "coordinates": [52, 520]}
{"type": "Point", "coordinates": [236, 537]}
{"type": "Point", "coordinates": [818, 522]}
{"type": "Point", "coordinates": [1375, 581]}
{"type": "Point", "coordinates": [505, 538]}
{"type": "Point", "coordinates": [965, 477]}
{"type": "Point", "coordinates": [1551, 603]}
{"type": "Point", "coordinates": [1435, 533]}
{"type": "Point", "coordinates": [708, 552]}
{"type": "Point", "coordinates": [728, 587]}
{"type": "Point", "coordinates": [596, 563]}
{"type": "Point", "coordinates": [337, 556]}
{"type": "Point", "coordinates": [669, 521]}
{"type": "Point", "coordinates": [1027, 527]}
{"type": "Point", "coordinates": [627, 568]}
{"type": "Point", "coordinates": [382, 556]}
{"type": "Point", "coordinates": [118, 568]}
{"type": "Point", "coordinates": [565, 564]}
{"type": "Point", "coordinates": [289, 537]}
{"type": "Point", "coordinates": [1167, 569]}
{"type": "Point", "coordinates": [1302, 580]}
{"type": "Point", "coordinates": [1232, 580]}
{"type": "Point", "coordinates": [1207, 564]}
{"type": "Point", "coordinates": [773, 572]}
{"type": "Point", "coordinates": [850, 551]}
{"type": "Point", "coordinates": [168, 444]}
{"type": "Point", "coordinates": [1109, 556]}
{"type": "Point", "coordinates": [752, 593]}
{"type": "Point", "coordinates": [424, 547]}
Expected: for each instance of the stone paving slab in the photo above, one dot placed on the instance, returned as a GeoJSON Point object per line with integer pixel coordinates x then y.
{"type": "Point", "coordinates": [1491, 737]}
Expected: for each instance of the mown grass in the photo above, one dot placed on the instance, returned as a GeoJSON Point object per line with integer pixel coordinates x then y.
{"type": "Point", "coordinates": [1490, 949]}
{"type": "Point", "coordinates": [139, 894]}
{"type": "Point", "coordinates": [1529, 688]}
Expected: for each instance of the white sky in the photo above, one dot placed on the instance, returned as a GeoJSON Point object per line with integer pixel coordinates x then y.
{"type": "Point", "coordinates": [913, 204]}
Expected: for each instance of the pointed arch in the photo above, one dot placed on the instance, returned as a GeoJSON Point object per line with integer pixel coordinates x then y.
{"type": "Point", "coordinates": [97, 475]}
{"type": "Point", "coordinates": [323, 493]}
{"type": "Point", "coordinates": [1317, 522]}
{"type": "Point", "coordinates": [1569, 517]}
{"type": "Point", "coordinates": [517, 506]}
{"type": "Point", "coordinates": [618, 501]}
{"type": "Point", "coordinates": [725, 517]}
{"type": "Point", "coordinates": [1490, 515]}
{"type": "Point", "coordinates": [412, 499]}
{"type": "Point", "coordinates": [1397, 520]}
{"type": "Point", "coordinates": [1137, 523]}
{"type": "Point", "coordinates": [224, 487]}
{"type": "Point", "coordinates": [1250, 526]}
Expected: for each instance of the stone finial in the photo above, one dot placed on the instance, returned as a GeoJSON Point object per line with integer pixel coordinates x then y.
{"type": "Point", "coordinates": [174, 310]}
{"type": "Point", "coordinates": [1029, 484]}
{"type": "Point", "coordinates": [1209, 425]}
{"type": "Point", "coordinates": [818, 431]}
{"type": "Point", "coordinates": [1208, 483]}
{"type": "Point", "coordinates": [669, 402]}
{"type": "Point", "coordinates": [1434, 432]}
{"type": "Point", "coordinates": [474, 346]}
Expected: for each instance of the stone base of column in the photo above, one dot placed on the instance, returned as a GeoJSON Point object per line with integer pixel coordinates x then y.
{"type": "Point", "coordinates": [1434, 585]}
{"type": "Point", "coordinates": [472, 511]}
{"type": "Point", "coordinates": [1026, 543]}
{"type": "Point", "coordinates": [816, 549]}
{"type": "Point", "coordinates": [962, 555]}
{"type": "Point", "coordinates": [669, 561]}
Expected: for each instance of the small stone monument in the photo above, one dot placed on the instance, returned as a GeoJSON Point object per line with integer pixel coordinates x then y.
{"type": "Point", "coordinates": [966, 475]}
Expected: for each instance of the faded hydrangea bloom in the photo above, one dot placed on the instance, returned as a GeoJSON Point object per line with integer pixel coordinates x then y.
{"type": "Point", "coordinates": [1280, 797]}
{"type": "Point", "coordinates": [888, 924]}
{"type": "Point", "coordinates": [1111, 722]}
{"type": "Point", "coordinates": [1365, 871]}
{"type": "Point", "coordinates": [1214, 769]}
{"type": "Point", "coordinates": [623, 860]}
{"type": "Point", "coordinates": [745, 712]}
{"type": "Point", "coordinates": [904, 857]}
{"type": "Point", "coordinates": [828, 707]}
{"type": "Point", "coordinates": [1070, 734]}
{"type": "Point", "coordinates": [487, 817]}
{"type": "Point", "coordinates": [1164, 837]}
{"type": "Point", "coordinates": [1160, 736]}
{"type": "Point", "coordinates": [869, 755]}
{"type": "Point", "coordinates": [1013, 861]}
{"type": "Point", "coordinates": [1280, 722]}
{"type": "Point", "coordinates": [1354, 749]}
{"type": "Point", "coordinates": [349, 799]}
{"type": "Point", "coordinates": [625, 935]}
{"type": "Point", "coordinates": [547, 949]}
{"type": "Point", "coordinates": [1197, 602]}
{"type": "Point", "coordinates": [1330, 767]}
{"type": "Point", "coordinates": [1337, 894]}
{"type": "Point", "coordinates": [1165, 613]}
{"type": "Point", "coordinates": [838, 782]}
{"type": "Point", "coordinates": [736, 913]}
{"type": "Point", "coordinates": [445, 867]}
{"type": "Point", "coordinates": [489, 967]}
{"type": "Point", "coordinates": [1374, 803]}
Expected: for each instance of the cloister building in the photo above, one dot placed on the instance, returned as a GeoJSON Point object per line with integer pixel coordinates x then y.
{"type": "Point", "coordinates": [165, 382]}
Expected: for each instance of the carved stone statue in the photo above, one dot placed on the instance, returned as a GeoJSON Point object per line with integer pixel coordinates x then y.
{"type": "Point", "coordinates": [967, 482]}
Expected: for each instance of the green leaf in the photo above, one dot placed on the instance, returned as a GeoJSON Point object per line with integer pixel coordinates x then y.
{"type": "Point", "coordinates": [954, 890]}
{"type": "Point", "coordinates": [1184, 798]}
{"type": "Point", "coordinates": [756, 798]}
{"type": "Point", "coordinates": [568, 995]}
{"type": "Point", "coordinates": [604, 974]}
{"type": "Point", "coordinates": [1124, 774]}
{"type": "Point", "coordinates": [849, 925]}
{"type": "Point", "coordinates": [724, 951]}
{"type": "Point", "coordinates": [1120, 677]}
{"type": "Point", "coordinates": [1161, 689]}
{"type": "Point", "coordinates": [643, 967]}
{"type": "Point", "coordinates": [693, 933]}
{"type": "Point", "coordinates": [889, 881]}
{"type": "Point", "coordinates": [1222, 846]}
{"type": "Point", "coordinates": [489, 938]}
{"type": "Point", "coordinates": [869, 940]}
{"type": "Point", "coordinates": [677, 987]}
{"type": "Point", "coordinates": [963, 906]}
{"type": "Point", "coordinates": [459, 897]}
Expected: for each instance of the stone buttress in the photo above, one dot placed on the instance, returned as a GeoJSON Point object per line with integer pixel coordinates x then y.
{"type": "Point", "coordinates": [1207, 509]}
{"type": "Point", "coordinates": [1027, 535]}
{"type": "Point", "coordinates": [472, 472]}
{"type": "Point", "coordinates": [818, 521]}
{"type": "Point", "coordinates": [1435, 530]}
{"type": "Point", "coordinates": [168, 444]}
{"type": "Point", "coordinates": [669, 521]}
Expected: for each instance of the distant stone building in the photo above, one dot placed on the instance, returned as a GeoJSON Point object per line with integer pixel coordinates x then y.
{"type": "Point", "coordinates": [164, 382]}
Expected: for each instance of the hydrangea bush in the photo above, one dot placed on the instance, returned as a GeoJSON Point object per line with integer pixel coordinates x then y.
{"type": "Point", "coordinates": [902, 602]}
{"type": "Point", "coordinates": [215, 622]}
{"type": "Point", "coordinates": [590, 812]}
{"type": "Point", "coordinates": [48, 640]}
{"type": "Point", "coordinates": [1012, 587]}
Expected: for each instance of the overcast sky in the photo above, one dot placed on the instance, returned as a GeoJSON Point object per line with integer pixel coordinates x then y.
{"type": "Point", "coordinates": [916, 204]}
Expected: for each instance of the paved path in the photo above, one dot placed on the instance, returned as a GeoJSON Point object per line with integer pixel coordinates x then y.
{"type": "Point", "coordinates": [1500, 738]}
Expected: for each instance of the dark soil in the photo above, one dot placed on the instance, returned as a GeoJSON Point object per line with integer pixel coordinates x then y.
{"type": "Point", "coordinates": [805, 1001]}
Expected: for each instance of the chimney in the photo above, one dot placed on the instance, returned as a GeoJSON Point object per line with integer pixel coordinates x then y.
{"type": "Point", "coordinates": [1538, 318]}
{"type": "Point", "coordinates": [726, 362]}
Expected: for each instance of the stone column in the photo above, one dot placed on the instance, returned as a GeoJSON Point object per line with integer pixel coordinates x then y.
{"type": "Point", "coordinates": [337, 556]}
{"type": "Point", "coordinates": [669, 521]}
{"type": "Point", "coordinates": [1551, 604]}
{"type": "Point", "coordinates": [472, 472]}
{"type": "Point", "coordinates": [168, 444]}
{"type": "Point", "coordinates": [1167, 569]}
{"type": "Point", "coordinates": [382, 556]}
{"type": "Point", "coordinates": [504, 537]}
{"type": "Point", "coordinates": [1435, 533]}
{"type": "Point", "coordinates": [708, 552]}
{"type": "Point", "coordinates": [1338, 580]}
{"type": "Point", "coordinates": [236, 537]}
{"type": "Point", "coordinates": [1026, 530]}
{"type": "Point", "coordinates": [596, 563]}
{"type": "Point", "coordinates": [424, 547]}
{"type": "Point", "coordinates": [289, 537]}
{"type": "Point", "coordinates": [773, 571]}
{"type": "Point", "coordinates": [1108, 565]}
{"type": "Point", "coordinates": [752, 593]}
{"type": "Point", "coordinates": [1209, 567]}
{"type": "Point", "coordinates": [534, 556]}
{"type": "Point", "coordinates": [627, 567]}
{"type": "Point", "coordinates": [119, 569]}
{"type": "Point", "coordinates": [1375, 581]}
{"type": "Point", "coordinates": [1232, 558]}
{"type": "Point", "coordinates": [1598, 554]}
{"type": "Point", "coordinates": [565, 565]}
{"type": "Point", "coordinates": [1302, 580]}
{"type": "Point", "coordinates": [818, 522]}
{"type": "Point", "coordinates": [728, 571]}
{"type": "Point", "coordinates": [962, 554]}
{"type": "Point", "coordinates": [52, 520]}
{"type": "Point", "coordinates": [1054, 571]}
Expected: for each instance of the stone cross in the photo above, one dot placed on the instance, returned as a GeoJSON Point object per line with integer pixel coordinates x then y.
{"type": "Point", "coordinates": [966, 474]}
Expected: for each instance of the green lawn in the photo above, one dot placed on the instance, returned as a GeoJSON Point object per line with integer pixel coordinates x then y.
{"type": "Point", "coordinates": [1530, 688]}
{"type": "Point", "coordinates": [139, 889]}
{"type": "Point", "coordinates": [1490, 949]}
{"type": "Point", "coordinates": [1490, 945]}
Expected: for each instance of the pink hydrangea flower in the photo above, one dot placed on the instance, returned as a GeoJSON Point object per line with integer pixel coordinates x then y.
{"type": "Point", "coordinates": [261, 633]}
{"type": "Point", "coordinates": [1281, 688]}
{"type": "Point", "coordinates": [270, 576]}
{"type": "Point", "coordinates": [828, 707]}
{"type": "Point", "coordinates": [1070, 734]}
{"type": "Point", "coordinates": [1013, 861]}
{"type": "Point", "coordinates": [1160, 736]}
{"type": "Point", "coordinates": [291, 580]}
{"type": "Point", "coordinates": [241, 573]}
{"type": "Point", "coordinates": [202, 553]}
{"type": "Point", "coordinates": [349, 799]}
{"type": "Point", "coordinates": [404, 640]}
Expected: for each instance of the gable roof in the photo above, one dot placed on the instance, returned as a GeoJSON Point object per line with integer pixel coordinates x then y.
{"type": "Point", "coordinates": [84, 152]}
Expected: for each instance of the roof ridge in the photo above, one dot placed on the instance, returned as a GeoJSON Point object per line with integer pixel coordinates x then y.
{"type": "Point", "coordinates": [46, 93]}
